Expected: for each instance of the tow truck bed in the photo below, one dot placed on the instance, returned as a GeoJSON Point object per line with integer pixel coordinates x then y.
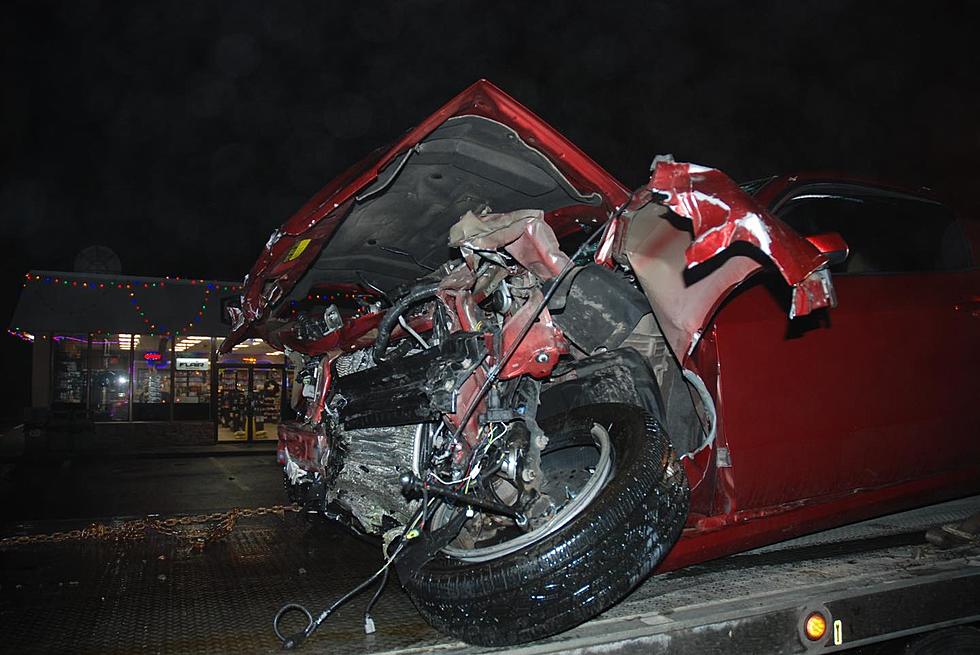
{"type": "Point", "coordinates": [879, 578]}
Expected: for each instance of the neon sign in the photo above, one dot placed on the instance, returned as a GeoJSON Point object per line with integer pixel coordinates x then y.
{"type": "Point", "coordinates": [152, 357]}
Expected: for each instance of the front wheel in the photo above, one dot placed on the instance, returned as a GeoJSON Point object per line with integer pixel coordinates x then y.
{"type": "Point", "coordinates": [627, 500]}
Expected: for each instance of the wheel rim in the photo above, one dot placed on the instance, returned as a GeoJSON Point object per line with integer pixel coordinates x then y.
{"type": "Point", "coordinates": [562, 469]}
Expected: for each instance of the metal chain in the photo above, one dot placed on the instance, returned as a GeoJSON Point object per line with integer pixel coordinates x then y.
{"type": "Point", "coordinates": [219, 525]}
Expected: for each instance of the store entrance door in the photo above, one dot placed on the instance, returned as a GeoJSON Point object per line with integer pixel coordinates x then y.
{"type": "Point", "coordinates": [249, 401]}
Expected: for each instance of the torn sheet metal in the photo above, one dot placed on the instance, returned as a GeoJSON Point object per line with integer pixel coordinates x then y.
{"type": "Point", "coordinates": [286, 260]}
{"type": "Point", "coordinates": [666, 254]}
{"type": "Point", "coordinates": [721, 214]}
{"type": "Point", "coordinates": [523, 234]}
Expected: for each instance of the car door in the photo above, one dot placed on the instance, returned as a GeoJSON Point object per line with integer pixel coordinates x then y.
{"type": "Point", "coordinates": [879, 390]}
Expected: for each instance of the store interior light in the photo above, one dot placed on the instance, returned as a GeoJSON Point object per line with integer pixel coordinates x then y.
{"type": "Point", "coordinates": [187, 343]}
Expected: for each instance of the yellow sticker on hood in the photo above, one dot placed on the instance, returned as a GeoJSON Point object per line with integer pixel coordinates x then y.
{"type": "Point", "coordinates": [296, 250]}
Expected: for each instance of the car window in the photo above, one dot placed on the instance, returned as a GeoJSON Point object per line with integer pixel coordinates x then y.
{"type": "Point", "coordinates": [885, 233]}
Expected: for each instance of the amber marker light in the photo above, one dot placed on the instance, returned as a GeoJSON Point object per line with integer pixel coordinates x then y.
{"type": "Point", "coordinates": [815, 626]}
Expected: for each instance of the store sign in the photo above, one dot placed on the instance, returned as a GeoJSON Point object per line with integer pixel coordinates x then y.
{"type": "Point", "coordinates": [193, 364]}
{"type": "Point", "coordinates": [152, 357]}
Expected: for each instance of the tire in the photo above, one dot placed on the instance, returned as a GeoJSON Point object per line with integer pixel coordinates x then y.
{"type": "Point", "coordinates": [591, 562]}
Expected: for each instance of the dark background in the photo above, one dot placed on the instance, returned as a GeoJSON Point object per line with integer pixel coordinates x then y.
{"type": "Point", "coordinates": [181, 133]}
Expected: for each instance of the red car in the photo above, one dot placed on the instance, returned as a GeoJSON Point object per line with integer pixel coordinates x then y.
{"type": "Point", "coordinates": [538, 386]}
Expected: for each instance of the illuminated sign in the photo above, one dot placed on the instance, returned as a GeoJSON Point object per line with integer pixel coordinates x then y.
{"type": "Point", "coordinates": [249, 360]}
{"type": "Point", "coordinates": [193, 364]}
{"type": "Point", "coordinates": [152, 357]}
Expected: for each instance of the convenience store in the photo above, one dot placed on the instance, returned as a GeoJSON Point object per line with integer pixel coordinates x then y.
{"type": "Point", "coordinates": [133, 361]}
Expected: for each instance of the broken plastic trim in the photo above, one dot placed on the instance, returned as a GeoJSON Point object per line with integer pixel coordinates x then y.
{"type": "Point", "coordinates": [709, 406]}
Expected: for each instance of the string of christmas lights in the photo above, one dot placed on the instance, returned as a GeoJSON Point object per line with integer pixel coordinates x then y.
{"type": "Point", "coordinates": [183, 330]}
{"type": "Point", "coordinates": [364, 298]}
{"type": "Point", "coordinates": [124, 284]}
{"type": "Point", "coordinates": [154, 327]}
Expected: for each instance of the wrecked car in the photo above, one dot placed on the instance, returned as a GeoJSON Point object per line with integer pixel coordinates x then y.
{"type": "Point", "coordinates": [537, 387]}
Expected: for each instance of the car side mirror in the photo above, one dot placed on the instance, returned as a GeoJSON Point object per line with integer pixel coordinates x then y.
{"type": "Point", "coordinates": [832, 245]}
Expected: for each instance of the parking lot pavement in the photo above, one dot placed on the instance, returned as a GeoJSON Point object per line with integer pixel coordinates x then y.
{"type": "Point", "coordinates": [159, 595]}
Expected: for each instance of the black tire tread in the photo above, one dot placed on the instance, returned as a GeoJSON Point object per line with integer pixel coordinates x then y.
{"type": "Point", "coordinates": [578, 572]}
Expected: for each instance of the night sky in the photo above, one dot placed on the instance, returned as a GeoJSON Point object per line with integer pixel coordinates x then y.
{"type": "Point", "coordinates": [180, 134]}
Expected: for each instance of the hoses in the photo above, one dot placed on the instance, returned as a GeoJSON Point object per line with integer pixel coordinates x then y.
{"type": "Point", "coordinates": [369, 627]}
{"type": "Point", "coordinates": [289, 643]}
{"type": "Point", "coordinates": [416, 335]}
{"type": "Point", "coordinates": [417, 294]}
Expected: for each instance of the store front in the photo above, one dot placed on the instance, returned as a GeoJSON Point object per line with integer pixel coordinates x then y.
{"type": "Point", "coordinates": [120, 360]}
{"type": "Point", "coordinates": [251, 392]}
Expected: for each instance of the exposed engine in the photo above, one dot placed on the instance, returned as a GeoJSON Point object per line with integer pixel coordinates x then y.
{"type": "Point", "coordinates": [444, 403]}
{"type": "Point", "coordinates": [509, 421]}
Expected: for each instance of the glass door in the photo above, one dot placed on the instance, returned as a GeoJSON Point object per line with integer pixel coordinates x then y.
{"type": "Point", "coordinates": [249, 402]}
{"type": "Point", "coordinates": [266, 402]}
{"type": "Point", "coordinates": [233, 398]}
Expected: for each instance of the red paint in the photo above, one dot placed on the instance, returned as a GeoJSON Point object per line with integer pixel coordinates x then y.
{"type": "Point", "coordinates": [323, 383]}
{"type": "Point", "coordinates": [721, 214]}
{"type": "Point", "coordinates": [538, 352]}
{"type": "Point", "coordinates": [319, 217]}
{"type": "Point", "coordinates": [720, 536]}
{"type": "Point", "coordinates": [830, 242]}
{"type": "Point", "coordinates": [857, 412]}
{"type": "Point", "coordinates": [300, 442]}
{"type": "Point", "coordinates": [880, 390]}
{"type": "Point", "coordinates": [464, 398]}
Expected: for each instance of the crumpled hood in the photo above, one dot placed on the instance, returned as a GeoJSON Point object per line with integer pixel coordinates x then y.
{"type": "Point", "coordinates": [385, 222]}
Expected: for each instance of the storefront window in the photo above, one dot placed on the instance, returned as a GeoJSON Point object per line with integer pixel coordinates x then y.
{"type": "Point", "coordinates": [69, 369]}
{"type": "Point", "coordinates": [109, 377]}
{"type": "Point", "coordinates": [151, 368]}
{"type": "Point", "coordinates": [252, 351]}
{"type": "Point", "coordinates": [192, 378]}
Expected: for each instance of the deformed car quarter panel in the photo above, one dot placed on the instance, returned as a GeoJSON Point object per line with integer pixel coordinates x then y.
{"type": "Point", "coordinates": [676, 263]}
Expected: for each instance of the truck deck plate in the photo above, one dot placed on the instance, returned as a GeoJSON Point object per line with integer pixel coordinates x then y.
{"type": "Point", "coordinates": [157, 596]}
